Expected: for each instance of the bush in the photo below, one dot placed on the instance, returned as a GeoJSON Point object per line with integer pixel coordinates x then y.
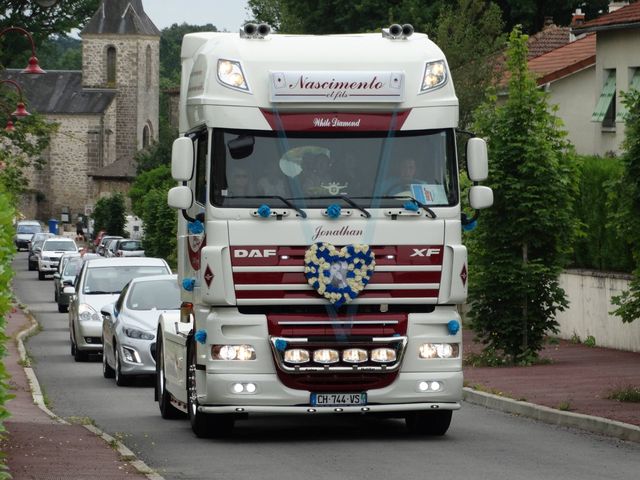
{"type": "Point", "coordinates": [6, 254]}
{"type": "Point", "coordinates": [600, 247]}
{"type": "Point", "coordinates": [109, 214]}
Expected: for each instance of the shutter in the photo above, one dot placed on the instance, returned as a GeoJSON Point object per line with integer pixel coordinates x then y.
{"type": "Point", "coordinates": [633, 85]}
{"type": "Point", "coordinates": [606, 96]}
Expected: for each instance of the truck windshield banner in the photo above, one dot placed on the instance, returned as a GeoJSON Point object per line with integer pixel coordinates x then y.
{"type": "Point", "coordinates": [339, 87]}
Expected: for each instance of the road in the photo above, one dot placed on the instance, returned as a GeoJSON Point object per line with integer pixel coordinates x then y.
{"type": "Point", "coordinates": [481, 443]}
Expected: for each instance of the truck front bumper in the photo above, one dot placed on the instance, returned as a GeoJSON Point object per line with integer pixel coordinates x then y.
{"type": "Point", "coordinates": [270, 396]}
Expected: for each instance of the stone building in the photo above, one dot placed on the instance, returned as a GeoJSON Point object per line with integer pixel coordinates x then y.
{"type": "Point", "coordinates": [106, 112]}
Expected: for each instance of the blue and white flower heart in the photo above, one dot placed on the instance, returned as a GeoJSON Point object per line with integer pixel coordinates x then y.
{"type": "Point", "coordinates": [339, 275]}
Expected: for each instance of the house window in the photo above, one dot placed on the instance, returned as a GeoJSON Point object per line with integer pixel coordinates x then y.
{"type": "Point", "coordinates": [148, 67]}
{"type": "Point", "coordinates": [111, 66]}
{"type": "Point", "coordinates": [605, 111]}
{"type": "Point", "coordinates": [634, 84]}
{"type": "Point", "coordinates": [145, 136]}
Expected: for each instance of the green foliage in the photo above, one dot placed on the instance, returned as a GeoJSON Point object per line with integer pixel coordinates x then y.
{"type": "Point", "coordinates": [60, 52]}
{"type": "Point", "coordinates": [66, 15]}
{"type": "Point", "coordinates": [170, 45]}
{"type": "Point", "coordinates": [628, 302]}
{"type": "Point", "coordinates": [109, 214]}
{"type": "Point", "coordinates": [523, 240]}
{"type": "Point", "coordinates": [160, 226]}
{"type": "Point", "coordinates": [590, 341]}
{"type": "Point", "coordinates": [22, 148]}
{"type": "Point", "coordinates": [158, 178]}
{"type": "Point", "coordinates": [627, 394]}
{"type": "Point", "coordinates": [470, 34]}
{"type": "Point", "coordinates": [7, 251]}
{"type": "Point", "coordinates": [600, 245]}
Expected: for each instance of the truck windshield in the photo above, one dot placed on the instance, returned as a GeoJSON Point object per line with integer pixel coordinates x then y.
{"type": "Point", "coordinates": [375, 168]}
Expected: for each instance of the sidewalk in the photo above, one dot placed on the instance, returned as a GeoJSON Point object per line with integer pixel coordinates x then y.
{"type": "Point", "coordinates": [38, 446]}
{"type": "Point", "coordinates": [41, 446]}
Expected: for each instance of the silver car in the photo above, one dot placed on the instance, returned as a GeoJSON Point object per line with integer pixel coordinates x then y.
{"type": "Point", "coordinates": [68, 268]}
{"type": "Point", "coordinates": [129, 326]}
{"type": "Point", "coordinates": [52, 250]}
{"type": "Point", "coordinates": [99, 282]}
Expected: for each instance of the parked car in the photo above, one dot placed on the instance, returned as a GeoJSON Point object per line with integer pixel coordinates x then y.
{"type": "Point", "coordinates": [49, 255]}
{"type": "Point", "coordinates": [24, 231]}
{"type": "Point", "coordinates": [34, 249]}
{"type": "Point", "coordinates": [100, 249]}
{"type": "Point", "coordinates": [98, 283]}
{"type": "Point", "coordinates": [129, 326]}
{"type": "Point", "coordinates": [68, 268]}
{"type": "Point", "coordinates": [124, 247]}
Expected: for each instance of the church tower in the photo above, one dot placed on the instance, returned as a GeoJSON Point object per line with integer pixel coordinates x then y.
{"type": "Point", "coordinates": [121, 51]}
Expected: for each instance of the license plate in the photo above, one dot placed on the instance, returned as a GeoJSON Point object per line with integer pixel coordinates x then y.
{"type": "Point", "coordinates": [332, 399]}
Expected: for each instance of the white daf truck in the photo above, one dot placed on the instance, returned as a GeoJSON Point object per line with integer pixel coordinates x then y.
{"type": "Point", "coordinates": [319, 242]}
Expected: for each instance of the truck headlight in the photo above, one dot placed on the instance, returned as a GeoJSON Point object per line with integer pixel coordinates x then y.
{"type": "Point", "coordinates": [230, 74]}
{"type": "Point", "coordinates": [383, 355]}
{"type": "Point", "coordinates": [296, 355]}
{"type": "Point", "coordinates": [87, 313]}
{"type": "Point", "coordinates": [439, 350]}
{"type": "Point", "coordinates": [233, 352]}
{"type": "Point", "coordinates": [435, 75]}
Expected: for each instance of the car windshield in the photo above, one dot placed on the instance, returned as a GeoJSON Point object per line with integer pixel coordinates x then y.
{"type": "Point", "coordinates": [72, 267]}
{"type": "Point", "coordinates": [59, 246]}
{"type": "Point", "coordinates": [112, 279]}
{"type": "Point", "coordinates": [130, 245]}
{"type": "Point", "coordinates": [28, 229]}
{"type": "Point", "coordinates": [310, 169]}
{"type": "Point", "coordinates": [156, 294]}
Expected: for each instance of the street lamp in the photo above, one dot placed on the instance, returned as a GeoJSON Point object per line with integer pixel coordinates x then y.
{"type": "Point", "coordinates": [20, 111]}
{"type": "Point", "coordinates": [32, 68]}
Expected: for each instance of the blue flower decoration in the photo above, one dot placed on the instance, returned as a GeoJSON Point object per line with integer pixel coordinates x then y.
{"type": "Point", "coordinates": [196, 228]}
{"type": "Point", "coordinates": [188, 284]}
{"type": "Point", "coordinates": [470, 226]}
{"type": "Point", "coordinates": [411, 206]}
{"type": "Point", "coordinates": [334, 210]}
{"type": "Point", "coordinates": [264, 211]}
{"type": "Point", "coordinates": [281, 345]}
{"type": "Point", "coordinates": [453, 326]}
{"type": "Point", "coordinates": [201, 336]}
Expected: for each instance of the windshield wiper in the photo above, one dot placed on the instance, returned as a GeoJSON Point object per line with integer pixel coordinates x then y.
{"type": "Point", "coordinates": [430, 212]}
{"type": "Point", "coordinates": [347, 199]}
{"type": "Point", "coordinates": [288, 203]}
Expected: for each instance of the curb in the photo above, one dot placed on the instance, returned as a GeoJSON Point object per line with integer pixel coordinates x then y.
{"type": "Point", "coordinates": [599, 425]}
{"type": "Point", "coordinates": [125, 453]}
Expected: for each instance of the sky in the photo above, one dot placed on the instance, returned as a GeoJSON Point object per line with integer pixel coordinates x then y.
{"type": "Point", "coordinates": [224, 14]}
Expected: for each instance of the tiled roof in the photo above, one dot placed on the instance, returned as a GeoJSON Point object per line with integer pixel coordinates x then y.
{"type": "Point", "coordinates": [565, 60]}
{"type": "Point", "coordinates": [122, 168]}
{"type": "Point", "coordinates": [625, 17]}
{"type": "Point", "coordinates": [60, 91]}
{"type": "Point", "coordinates": [122, 17]}
{"type": "Point", "coordinates": [550, 38]}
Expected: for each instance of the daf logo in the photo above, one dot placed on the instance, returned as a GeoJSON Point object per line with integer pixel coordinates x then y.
{"type": "Point", "coordinates": [425, 252]}
{"type": "Point", "coordinates": [254, 253]}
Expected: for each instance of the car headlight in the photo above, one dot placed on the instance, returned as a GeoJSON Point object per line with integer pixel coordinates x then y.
{"type": "Point", "coordinates": [230, 74]}
{"type": "Point", "coordinates": [435, 75]}
{"type": "Point", "coordinates": [138, 334]}
{"type": "Point", "coordinates": [87, 313]}
{"type": "Point", "coordinates": [439, 350]}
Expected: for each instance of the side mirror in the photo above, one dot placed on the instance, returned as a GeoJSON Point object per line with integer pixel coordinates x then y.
{"type": "Point", "coordinates": [241, 147]}
{"type": "Point", "coordinates": [480, 197]}
{"type": "Point", "coordinates": [67, 283]}
{"type": "Point", "coordinates": [69, 290]}
{"type": "Point", "coordinates": [180, 198]}
{"type": "Point", "coordinates": [56, 275]}
{"type": "Point", "coordinates": [107, 311]}
{"type": "Point", "coordinates": [182, 159]}
{"type": "Point", "coordinates": [477, 160]}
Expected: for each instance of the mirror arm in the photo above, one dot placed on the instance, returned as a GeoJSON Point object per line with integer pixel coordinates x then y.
{"type": "Point", "coordinates": [466, 220]}
{"type": "Point", "coordinates": [185, 215]}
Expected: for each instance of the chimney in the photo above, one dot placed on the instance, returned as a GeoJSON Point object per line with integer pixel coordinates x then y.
{"type": "Point", "coordinates": [578, 18]}
{"type": "Point", "coordinates": [548, 21]}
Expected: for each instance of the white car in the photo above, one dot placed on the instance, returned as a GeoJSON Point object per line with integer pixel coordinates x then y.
{"type": "Point", "coordinates": [52, 250]}
{"type": "Point", "coordinates": [129, 326]}
{"type": "Point", "coordinates": [100, 282]}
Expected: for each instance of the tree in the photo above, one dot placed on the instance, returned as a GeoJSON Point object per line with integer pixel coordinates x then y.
{"type": "Point", "coordinates": [21, 149]}
{"type": "Point", "coordinates": [629, 301]}
{"type": "Point", "coordinates": [470, 34]}
{"type": "Point", "coordinates": [170, 45]}
{"type": "Point", "coordinates": [41, 23]}
{"type": "Point", "coordinates": [522, 241]}
{"type": "Point", "coordinates": [60, 52]}
{"type": "Point", "coordinates": [109, 214]}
